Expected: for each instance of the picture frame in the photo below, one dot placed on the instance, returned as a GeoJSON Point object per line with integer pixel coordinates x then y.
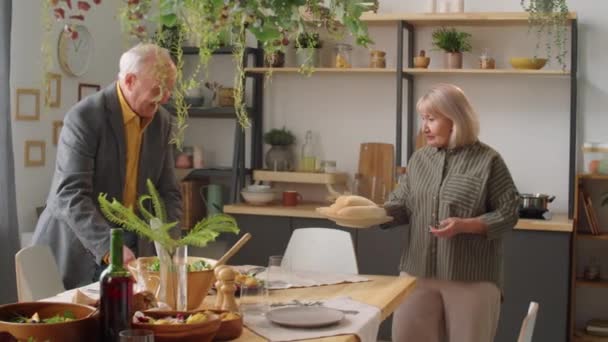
{"type": "Point", "coordinates": [35, 153]}
{"type": "Point", "coordinates": [57, 126]}
{"type": "Point", "coordinates": [27, 105]}
{"type": "Point", "coordinates": [52, 97]}
{"type": "Point", "coordinates": [86, 89]}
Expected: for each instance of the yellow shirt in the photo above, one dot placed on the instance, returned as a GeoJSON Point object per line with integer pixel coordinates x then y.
{"type": "Point", "coordinates": [134, 130]}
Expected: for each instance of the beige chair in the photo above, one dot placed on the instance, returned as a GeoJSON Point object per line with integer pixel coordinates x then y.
{"type": "Point", "coordinates": [37, 274]}
{"type": "Point", "coordinates": [527, 326]}
{"type": "Point", "coordinates": [321, 250]}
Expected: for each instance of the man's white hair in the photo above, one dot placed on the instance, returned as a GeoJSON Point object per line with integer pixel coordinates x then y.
{"type": "Point", "coordinates": [136, 58]}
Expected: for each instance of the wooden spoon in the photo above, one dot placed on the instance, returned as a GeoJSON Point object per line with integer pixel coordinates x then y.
{"type": "Point", "coordinates": [232, 251]}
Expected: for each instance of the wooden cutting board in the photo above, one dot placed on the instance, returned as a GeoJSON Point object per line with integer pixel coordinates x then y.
{"type": "Point", "coordinates": [376, 171]}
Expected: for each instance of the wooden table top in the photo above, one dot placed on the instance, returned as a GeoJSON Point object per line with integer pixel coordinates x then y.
{"type": "Point", "coordinates": [383, 292]}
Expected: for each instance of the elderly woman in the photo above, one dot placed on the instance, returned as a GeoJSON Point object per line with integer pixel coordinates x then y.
{"type": "Point", "coordinates": [459, 200]}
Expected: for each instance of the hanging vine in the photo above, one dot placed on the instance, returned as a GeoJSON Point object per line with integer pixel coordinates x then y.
{"type": "Point", "coordinates": [549, 18]}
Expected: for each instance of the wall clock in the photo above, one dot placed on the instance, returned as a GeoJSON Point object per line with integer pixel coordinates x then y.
{"type": "Point", "coordinates": [74, 50]}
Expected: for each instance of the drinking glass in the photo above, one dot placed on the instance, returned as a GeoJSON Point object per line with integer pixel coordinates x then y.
{"type": "Point", "coordinates": [278, 273]}
{"type": "Point", "coordinates": [136, 335]}
{"type": "Point", "coordinates": [253, 299]}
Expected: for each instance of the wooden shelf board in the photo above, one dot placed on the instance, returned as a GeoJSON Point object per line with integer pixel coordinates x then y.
{"type": "Point", "coordinates": [306, 210]}
{"type": "Point", "coordinates": [588, 236]}
{"type": "Point", "coordinates": [593, 176]}
{"type": "Point", "coordinates": [300, 177]}
{"type": "Point", "coordinates": [582, 336]}
{"type": "Point", "coordinates": [591, 283]}
{"type": "Point", "coordinates": [296, 70]}
{"type": "Point", "coordinates": [417, 71]}
{"type": "Point", "coordinates": [559, 223]}
{"type": "Point", "coordinates": [467, 18]}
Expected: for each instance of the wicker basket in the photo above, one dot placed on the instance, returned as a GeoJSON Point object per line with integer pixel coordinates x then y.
{"type": "Point", "coordinates": [226, 97]}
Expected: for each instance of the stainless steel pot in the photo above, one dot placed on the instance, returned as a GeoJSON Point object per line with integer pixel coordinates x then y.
{"type": "Point", "coordinates": [536, 202]}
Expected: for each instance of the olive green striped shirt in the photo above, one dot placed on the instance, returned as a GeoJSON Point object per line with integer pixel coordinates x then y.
{"type": "Point", "coordinates": [469, 181]}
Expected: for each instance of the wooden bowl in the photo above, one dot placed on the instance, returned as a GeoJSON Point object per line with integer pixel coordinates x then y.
{"type": "Point", "coordinates": [528, 63]}
{"type": "Point", "coordinates": [421, 62]}
{"type": "Point", "coordinates": [197, 332]}
{"type": "Point", "coordinates": [80, 329]}
{"type": "Point", "coordinates": [229, 329]}
{"type": "Point", "coordinates": [199, 282]}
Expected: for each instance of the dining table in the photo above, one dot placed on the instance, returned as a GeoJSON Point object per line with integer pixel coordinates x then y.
{"type": "Point", "coordinates": [383, 292]}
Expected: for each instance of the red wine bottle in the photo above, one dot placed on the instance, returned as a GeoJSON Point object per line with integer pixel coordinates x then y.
{"type": "Point", "coordinates": [116, 302]}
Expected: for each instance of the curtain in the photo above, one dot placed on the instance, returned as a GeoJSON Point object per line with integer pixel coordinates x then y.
{"type": "Point", "coordinates": [9, 230]}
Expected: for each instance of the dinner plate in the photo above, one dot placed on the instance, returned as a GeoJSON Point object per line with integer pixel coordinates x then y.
{"type": "Point", "coordinates": [305, 316]}
{"type": "Point", "coordinates": [355, 223]}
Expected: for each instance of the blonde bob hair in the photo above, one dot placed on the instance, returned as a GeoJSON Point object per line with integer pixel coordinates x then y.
{"type": "Point", "coordinates": [450, 101]}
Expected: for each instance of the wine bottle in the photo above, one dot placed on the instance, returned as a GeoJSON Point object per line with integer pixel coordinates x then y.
{"type": "Point", "coordinates": [116, 284]}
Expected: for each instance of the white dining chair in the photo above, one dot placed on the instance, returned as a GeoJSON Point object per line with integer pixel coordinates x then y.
{"type": "Point", "coordinates": [527, 326]}
{"type": "Point", "coordinates": [321, 250]}
{"type": "Point", "coordinates": [37, 274]}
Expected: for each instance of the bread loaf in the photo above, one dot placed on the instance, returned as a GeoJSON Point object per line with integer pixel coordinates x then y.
{"type": "Point", "coordinates": [353, 201]}
{"type": "Point", "coordinates": [362, 212]}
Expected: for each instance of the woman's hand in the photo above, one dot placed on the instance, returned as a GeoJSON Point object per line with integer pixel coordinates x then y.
{"type": "Point", "coordinates": [448, 228]}
{"type": "Point", "coordinates": [455, 225]}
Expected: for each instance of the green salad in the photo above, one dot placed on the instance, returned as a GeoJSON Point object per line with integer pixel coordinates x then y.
{"type": "Point", "coordinates": [59, 318]}
{"type": "Point", "coordinates": [199, 265]}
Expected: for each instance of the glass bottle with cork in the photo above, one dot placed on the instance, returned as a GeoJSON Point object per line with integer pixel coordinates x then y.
{"type": "Point", "coordinates": [116, 293]}
{"type": "Point", "coordinates": [308, 161]}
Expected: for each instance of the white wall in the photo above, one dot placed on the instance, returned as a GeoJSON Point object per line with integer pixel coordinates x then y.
{"type": "Point", "coordinates": [26, 72]}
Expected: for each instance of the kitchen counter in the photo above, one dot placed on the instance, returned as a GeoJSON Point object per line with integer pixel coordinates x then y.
{"type": "Point", "coordinates": [559, 222]}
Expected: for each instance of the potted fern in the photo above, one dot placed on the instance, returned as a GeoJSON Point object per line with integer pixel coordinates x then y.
{"type": "Point", "coordinates": [307, 49]}
{"type": "Point", "coordinates": [453, 43]}
{"type": "Point", "coordinates": [172, 252]}
{"type": "Point", "coordinates": [279, 157]}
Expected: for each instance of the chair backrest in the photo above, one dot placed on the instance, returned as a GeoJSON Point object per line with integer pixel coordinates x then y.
{"type": "Point", "coordinates": [527, 326]}
{"type": "Point", "coordinates": [37, 274]}
{"type": "Point", "coordinates": [321, 250]}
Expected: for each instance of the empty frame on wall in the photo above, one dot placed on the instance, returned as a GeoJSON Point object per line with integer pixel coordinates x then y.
{"type": "Point", "coordinates": [86, 89]}
{"type": "Point", "coordinates": [34, 153]}
{"type": "Point", "coordinates": [27, 105]}
{"type": "Point", "coordinates": [52, 97]}
{"type": "Point", "coordinates": [57, 125]}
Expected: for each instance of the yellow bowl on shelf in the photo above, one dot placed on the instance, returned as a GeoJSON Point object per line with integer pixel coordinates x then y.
{"type": "Point", "coordinates": [527, 63]}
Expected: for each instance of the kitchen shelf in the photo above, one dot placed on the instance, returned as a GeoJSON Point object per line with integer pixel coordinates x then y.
{"type": "Point", "coordinates": [588, 236]}
{"type": "Point", "coordinates": [593, 176]}
{"type": "Point", "coordinates": [590, 283]}
{"type": "Point", "coordinates": [447, 19]}
{"type": "Point", "coordinates": [582, 336]}
{"type": "Point", "coordinates": [300, 177]}
{"type": "Point", "coordinates": [322, 70]}
{"type": "Point", "coordinates": [306, 210]}
{"type": "Point", "coordinates": [209, 172]}
{"type": "Point", "coordinates": [417, 71]}
{"type": "Point", "coordinates": [225, 50]}
{"type": "Point", "coordinates": [209, 113]}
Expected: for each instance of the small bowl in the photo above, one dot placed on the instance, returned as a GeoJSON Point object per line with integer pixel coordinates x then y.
{"type": "Point", "coordinates": [197, 332]}
{"type": "Point", "coordinates": [81, 329]}
{"type": "Point", "coordinates": [259, 188]}
{"type": "Point", "coordinates": [194, 101]}
{"type": "Point", "coordinates": [421, 62]}
{"type": "Point", "coordinates": [257, 198]}
{"type": "Point", "coordinates": [527, 63]}
{"type": "Point", "coordinates": [229, 329]}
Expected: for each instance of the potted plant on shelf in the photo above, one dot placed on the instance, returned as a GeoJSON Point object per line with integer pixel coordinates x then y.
{"type": "Point", "coordinates": [279, 157]}
{"type": "Point", "coordinates": [307, 49]}
{"type": "Point", "coordinates": [453, 43]}
{"type": "Point", "coordinates": [152, 223]}
{"type": "Point", "coordinates": [550, 18]}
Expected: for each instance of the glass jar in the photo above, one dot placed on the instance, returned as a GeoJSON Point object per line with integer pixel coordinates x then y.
{"type": "Point", "coordinates": [328, 166]}
{"type": "Point", "coordinates": [377, 59]}
{"type": "Point", "coordinates": [343, 55]}
{"type": "Point", "coordinates": [486, 61]}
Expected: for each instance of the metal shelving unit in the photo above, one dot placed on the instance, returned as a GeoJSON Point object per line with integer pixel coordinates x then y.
{"type": "Point", "coordinates": [238, 171]}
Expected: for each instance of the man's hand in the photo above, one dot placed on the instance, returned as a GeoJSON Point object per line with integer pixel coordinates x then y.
{"type": "Point", "coordinates": [127, 255]}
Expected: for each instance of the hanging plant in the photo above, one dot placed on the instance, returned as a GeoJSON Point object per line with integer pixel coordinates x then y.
{"type": "Point", "coordinates": [206, 22]}
{"type": "Point", "coordinates": [549, 18]}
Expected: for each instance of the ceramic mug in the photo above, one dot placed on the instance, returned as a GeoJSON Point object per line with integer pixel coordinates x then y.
{"type": "Point", "coordinates": [291, 198]}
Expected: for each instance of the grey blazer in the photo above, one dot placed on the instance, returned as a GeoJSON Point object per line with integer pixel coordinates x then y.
{"type": "Point", "coordinates": [91, 158]}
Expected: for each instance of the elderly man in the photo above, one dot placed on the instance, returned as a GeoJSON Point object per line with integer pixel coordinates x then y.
{"type": "Point", "coordinates": [111, 142]}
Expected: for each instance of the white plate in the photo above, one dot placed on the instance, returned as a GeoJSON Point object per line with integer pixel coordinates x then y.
{"type": "Point", "coordinates": [355, 223]}
{"type": "Point", "coordinates": [305, 316]}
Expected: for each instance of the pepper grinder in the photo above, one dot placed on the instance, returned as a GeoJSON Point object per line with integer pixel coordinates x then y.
{"type": "Point", "coordinates": [228, 289]}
